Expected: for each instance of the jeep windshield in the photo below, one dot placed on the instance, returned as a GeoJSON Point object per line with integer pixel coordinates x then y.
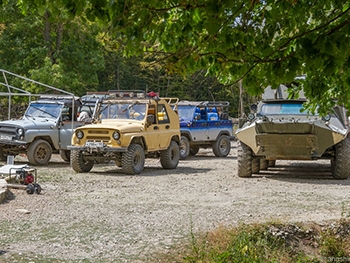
{"type": "Point", "coordinates": [282, 109]}
{"type": "Point", "coordinates": [44, 110]}
{"type": "Point", "coordinates": [186, 112]}
{"type": "Point", "coordinates": [122, 111]}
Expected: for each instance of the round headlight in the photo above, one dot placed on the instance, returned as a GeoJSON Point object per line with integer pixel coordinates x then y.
{"type": "Point", "coordinates": [79, 134]}
{"type": "Point", "coordinates": [116, 135]}
{"type": "Point", "coordinates": [251, 116]}
{"type": "Point", "coordinates": [20, 131]}
{"type": "Point", "coordinates": [327, 117]}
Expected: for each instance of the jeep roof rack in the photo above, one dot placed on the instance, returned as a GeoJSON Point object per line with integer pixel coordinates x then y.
{"type": "Point", "coordinates": [205, 103]}
{"type": "Point", "coordinates": [7, 78]}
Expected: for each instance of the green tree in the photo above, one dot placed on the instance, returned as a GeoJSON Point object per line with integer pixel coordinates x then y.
{"type": "Point", "coordinates": [51, 48]}
{"type": "Point", "coordinates": [261, 42]}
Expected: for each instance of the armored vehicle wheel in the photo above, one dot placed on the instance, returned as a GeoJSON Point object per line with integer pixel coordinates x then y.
{"type": "Point", "coordinates": [222, 146]}
{"type": "Point", "coordinates": [133, 160]}
{"type": "Point", "coordinates": [78, 163]}
{"type": "Point", "coordinates": [65, 155]}
{"type": "Point", "coordinates": [3, 157]}
{"type": "Point", "coordinates": [184, 148]}
{"type": "Point", "coordinates": [264, 164]}
{"type": "Point", "coordinates": [339, 165]}
{"type": "Point", "coordinates": [255, 165]}
{"type": "Point", "coordinates": [244, 159]}
{"type": "Point", "coordinates": [170, 157]}
{"type": "Point", "coordinates": [39, 152]}
{"type": "Point", "coordinates": [194, 150]}
{"type": "Point", "coordinates": [272, 163]}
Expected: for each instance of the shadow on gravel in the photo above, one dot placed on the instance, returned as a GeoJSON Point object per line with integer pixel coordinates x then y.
{"type": "Point", "coordinates": [201, 157]}
{"type": "Point", "coordinates": [302, 172]}
{"type": "Point", "coordinates": [155, 171]}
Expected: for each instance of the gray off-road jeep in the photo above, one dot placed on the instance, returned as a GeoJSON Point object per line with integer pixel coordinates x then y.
{"type": "Point", "coordinates": [46, 128]}
{"type": "Point", "coordinates": [278, 129]}
{"type": "Point", "coordinates": [205, 124]}
{"type": "Point", "coordinates": [127, 127]}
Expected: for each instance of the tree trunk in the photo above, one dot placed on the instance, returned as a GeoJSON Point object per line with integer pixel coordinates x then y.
{"type": "Point", "coordinates": [241, 103]}
{"type": "Point", "coordinates": [47, 35]}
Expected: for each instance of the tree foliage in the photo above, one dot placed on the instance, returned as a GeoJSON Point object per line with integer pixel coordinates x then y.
{"type": "Point", "coordinates": [260, 42]}
{"type": "Point", "coordinates": [51, 48]}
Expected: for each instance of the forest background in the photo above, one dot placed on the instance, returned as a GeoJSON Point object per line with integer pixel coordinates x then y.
{"type": "Point", "coordinates": [194, 50]}
{"type": "Point", "coordinates": [78, 56]}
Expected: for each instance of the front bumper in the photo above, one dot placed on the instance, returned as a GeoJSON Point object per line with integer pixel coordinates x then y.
{"type": "Point", "coordinates": [104, 149]}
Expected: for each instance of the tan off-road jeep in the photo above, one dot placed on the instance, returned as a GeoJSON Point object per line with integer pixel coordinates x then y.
{"type": "Point", "coordinates": [127, 127]}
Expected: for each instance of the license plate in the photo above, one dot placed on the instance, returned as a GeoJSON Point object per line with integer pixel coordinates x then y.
{"type": "Point", "coordinates": [94, 144]}
{"type": "Point", "coordinates": [5, 137]}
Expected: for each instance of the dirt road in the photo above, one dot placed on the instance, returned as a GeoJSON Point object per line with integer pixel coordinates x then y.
{"type": "Point", "coordinates": [107, 216]}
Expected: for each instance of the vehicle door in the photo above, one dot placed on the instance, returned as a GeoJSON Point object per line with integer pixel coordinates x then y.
{"type": "Point", "coordinates": [159, 132]}
{"type": "Point", "coordinates": [214, 123]}
{"type": "Point", "coordinates": [67, 124]}
{"type": "Point", "coordinates": [199, 129]}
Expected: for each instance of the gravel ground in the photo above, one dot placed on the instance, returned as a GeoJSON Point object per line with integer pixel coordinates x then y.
{"type": "Point", "coordinates": [107, 216]}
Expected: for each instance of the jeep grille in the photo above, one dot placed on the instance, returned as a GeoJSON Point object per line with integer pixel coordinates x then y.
{"type": "Point", "coordinates": [10, 130]}
{"type": "Point", "coordinates": [98, 135]}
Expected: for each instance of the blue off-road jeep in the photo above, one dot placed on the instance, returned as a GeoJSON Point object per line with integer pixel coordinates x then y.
{"type": "Point", "coordinates": [204, 125]}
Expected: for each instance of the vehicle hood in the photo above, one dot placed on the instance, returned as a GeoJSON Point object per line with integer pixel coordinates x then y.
{"type": "Point", "coordinates": [122, 126]}
{"type": "Point", "coordinates": [29, 123]}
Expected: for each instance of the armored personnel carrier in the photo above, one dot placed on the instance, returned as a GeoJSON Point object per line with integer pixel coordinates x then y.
{"type": "Point", "coordinates": [279, 129]}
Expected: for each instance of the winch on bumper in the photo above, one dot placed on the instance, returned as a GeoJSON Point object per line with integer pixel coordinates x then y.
{"type": "Point", "coordinates": [98, 148]}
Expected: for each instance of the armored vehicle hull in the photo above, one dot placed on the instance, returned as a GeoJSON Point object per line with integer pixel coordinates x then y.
{"type": "Point", "coordinates": [280, 130]}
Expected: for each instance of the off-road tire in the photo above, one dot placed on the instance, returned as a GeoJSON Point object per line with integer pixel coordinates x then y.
{"type": "Point", "coordinates": [194, 150]}
{"type": "Point", "coordinates": [255, 165]}
{"type": "Point", "coordinates": [222, 146]}
{"type": "Point", "coordinates": [3, 157]}
{"type": "Point", "coordinates": [133, 161]}
{"type": "Point", "coordinates": [184, 148]}
{"type": "Point", "coordinates": [118, 160]}
{"type": "Point", "coordinates": [39, 152]}
{"type": "Point", "coordinates": [264, 164]}
{"type": "Point", "coordinates": [169, 158]}
{"type": "Point", "coordinates": [244, 160]}
{"type": "Point", "coordinates": [339, 165]}
{"type": "Point", "coordinates": [65, 155]}
{"type": "Point", "coordinates": [78, 163]}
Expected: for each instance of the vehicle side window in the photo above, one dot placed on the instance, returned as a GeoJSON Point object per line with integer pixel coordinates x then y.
{"type": "Point", "coordinates": [162, 114]}
{"type": "Point", "coordinates": [152, 111]}
{"type": "Point", "coordinates": [66, 113]}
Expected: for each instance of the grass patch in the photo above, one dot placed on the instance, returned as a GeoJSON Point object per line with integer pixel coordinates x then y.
{"type": "Point", "coordinates": [269, 242]}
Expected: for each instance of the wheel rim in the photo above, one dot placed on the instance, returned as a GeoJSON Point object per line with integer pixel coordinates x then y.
{"type": "Point", "coordinates": [41, 153]}
{"type": "Point", "coordinates": [182, 148]}
{"type": "Point", "coordinates": [137, 161]}
{"type": "Point", "coordinates": [223, 146]}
